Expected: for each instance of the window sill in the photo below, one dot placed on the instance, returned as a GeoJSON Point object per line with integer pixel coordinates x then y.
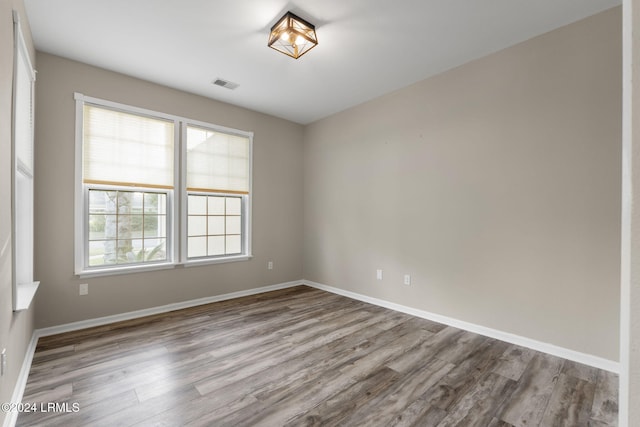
{"type": "Point", "coordinates": [199, 262]}
{"type": "Point", "coordinates": [154, 267]}
{"type": "Point", "coordinates": [124, 270]}
{"type": "Point", "coordinates": [24, 295]}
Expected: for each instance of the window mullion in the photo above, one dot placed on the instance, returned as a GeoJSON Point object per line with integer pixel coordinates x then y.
{"type": "Point", "coordinates": [181, 174]}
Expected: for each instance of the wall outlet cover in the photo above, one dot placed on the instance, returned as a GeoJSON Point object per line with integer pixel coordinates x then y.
{"type": "Point", "coordinates": [3, 361]}
{"type": "Point", "coordinates": [84, 289]}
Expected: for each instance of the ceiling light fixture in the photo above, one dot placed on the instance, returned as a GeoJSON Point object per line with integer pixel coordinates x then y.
{"type": "Point", "coordinates": [293, 36]}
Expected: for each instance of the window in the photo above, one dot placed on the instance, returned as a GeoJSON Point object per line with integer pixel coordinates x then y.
{"type": "Point", "coordinates": [217, 188]}
{"type": "Point", "coordinates": [139, 207]}
{"type": "Point", "coordinates": [24, 286]}
{"type": "Point", "coordinates": [128, 180]}
{"type": "Point", "coordinates": [127, 227]}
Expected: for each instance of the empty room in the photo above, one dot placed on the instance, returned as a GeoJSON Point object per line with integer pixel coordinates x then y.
{"type": "Point", "coordinates": [360, 213]}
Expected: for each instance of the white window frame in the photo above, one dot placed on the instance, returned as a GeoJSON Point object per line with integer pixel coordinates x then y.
{"type": "Point", "coordinates": [246, 199]}
{"type": "Point", "coordinates": [176, 198]}
{"type": "Point", "coordinates": [22, 175]}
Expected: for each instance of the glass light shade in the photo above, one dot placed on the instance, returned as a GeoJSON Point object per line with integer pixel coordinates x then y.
{"type": "Point", "coordinates": [293, 36]}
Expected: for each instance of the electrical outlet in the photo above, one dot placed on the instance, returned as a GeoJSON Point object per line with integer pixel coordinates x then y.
{"type": "Point", "coordinates": [407, 279]}
{"type": "Point", "coordinates": [84, 289]}
{"type": "Point", "coordinates": [379, 274]}
{"type": "Point", "coordinates": [3, 361]}
{"type": "Point", "coordinates": [270, 265]}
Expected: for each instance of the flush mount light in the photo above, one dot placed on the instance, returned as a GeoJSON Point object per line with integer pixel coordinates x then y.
{"type": "Point", "coordinates": [292, 36]}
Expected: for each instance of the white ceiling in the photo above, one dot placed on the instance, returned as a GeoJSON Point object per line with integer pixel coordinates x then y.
{"type": "Point", "coordinates": [366, 47]}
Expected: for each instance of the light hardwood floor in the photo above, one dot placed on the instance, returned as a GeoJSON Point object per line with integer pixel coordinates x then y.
{"type": "Point", "coordinates": [301, 356]}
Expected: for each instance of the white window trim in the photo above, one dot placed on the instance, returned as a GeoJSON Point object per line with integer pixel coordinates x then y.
{"type": "Point", "coordinates": [178, 229]}
{"type": "Point", "coordinates": [247, 209]}
{"type": "Point", "coordinates": [23, 291]}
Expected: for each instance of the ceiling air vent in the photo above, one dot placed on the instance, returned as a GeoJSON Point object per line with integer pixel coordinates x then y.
{"type": "Point", "coordinates": [225, 83]}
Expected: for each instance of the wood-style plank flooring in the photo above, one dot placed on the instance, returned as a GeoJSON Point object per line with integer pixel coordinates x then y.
{"type": "Point", "coordinates": [303, 357]}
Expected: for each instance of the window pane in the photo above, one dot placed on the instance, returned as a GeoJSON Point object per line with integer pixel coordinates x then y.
{"type": "Point", "coordinates": [216, 225]}
{"type": "Point", "coordinates": [162, 204]}
{"type": "Point", "coordinates": [216, 205]}
{"type": "Point", "coordinates": [133, 223]}
{"type": "Point", "coordinates": [124, 202]}
{"type": "Point", "coordinates": [151, 201]}
{"type": "Point", "coordinates": [197, 226]}
{"type": "Point", "coordinates": [163, 225]}
{"type": "Point", "coordinates": [234, 245]}
{"type": "Point", "coordinates": [197, 246]}
{"type": "Point", "coordinates": [111, 201]}
{"type": "Point", "coordinates": [197, 205]}
{"type": "Point", "coordinates": [155, 226]}
{"type": "Point", "coordinates": [136, 202]}
{"type": "Point", "coordinates": [154, 250]}
{"type": "Point", "coordinates": [96, 226]}
{"type": "Point", "coordinates": [97, 201]}
{"type": "Point", "coordinates": [128, 250]}
{"type": "Point", "coordinates": [234, 206]}
{"type": "Point", "coordinates": [233, 225]}
{"type": "Point", "coordinates": [216, 245]}
{"type": "Point", "coordinates": [110, 227]}
{"type": "Point", "coordinates": [102, 252]}
{"type": "Point", "coordinates": [102, 201]}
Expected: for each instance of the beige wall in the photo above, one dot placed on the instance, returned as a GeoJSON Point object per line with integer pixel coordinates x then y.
{"type": "Point", "coordinates": [277, 199]}
{"type": "Point", "coordinates": [496, 185]}
{"type": "Point", "coordinates": [15, 328]}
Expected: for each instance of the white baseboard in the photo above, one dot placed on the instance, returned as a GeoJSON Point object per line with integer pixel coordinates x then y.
{"type": "Point", "coordinates": [100, 321]}
{"type": "Point", "coordinates": [11, 417]}
{"type": "Point", "coordinates": [554, 350]}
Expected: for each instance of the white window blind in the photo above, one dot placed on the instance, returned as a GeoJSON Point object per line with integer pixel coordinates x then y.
{"type": "Point", "coordinates": [127, 149]}
{"type": "Point", "coordinates": [217, 162]}
{"type": "Point", "coordinates": [23, 123]}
